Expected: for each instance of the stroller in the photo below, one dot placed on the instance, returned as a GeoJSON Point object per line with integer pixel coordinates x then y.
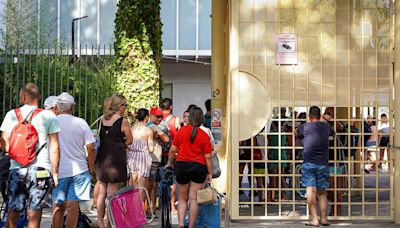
{"type": "Point", "coordinates": [164, 193]}
{"type": "Point", "coordinates": [4, 172]}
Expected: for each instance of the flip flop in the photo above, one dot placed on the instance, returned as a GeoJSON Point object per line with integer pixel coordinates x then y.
{"type": "Point", "coordinates": [325, 224]}
{"type": "Point", "coordinates": [309, 224]}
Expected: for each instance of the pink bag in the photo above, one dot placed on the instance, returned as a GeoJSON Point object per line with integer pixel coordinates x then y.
{"type": "Point", "coordinates": [125, 208]}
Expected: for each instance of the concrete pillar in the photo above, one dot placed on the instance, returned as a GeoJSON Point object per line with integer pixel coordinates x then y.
{"type": "Point", "coordinates": [218, 80]}
{"type": "Point", "coordinates": [396, 149]}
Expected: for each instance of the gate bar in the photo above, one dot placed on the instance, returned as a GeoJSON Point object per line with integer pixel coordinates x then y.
{"type": "Point", "coordinates": [396, 147]}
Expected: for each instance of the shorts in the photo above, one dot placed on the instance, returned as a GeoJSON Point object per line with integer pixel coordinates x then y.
{"type": "Point", "coordinates": [28, 188]}
{"type": "Point", "coordinates": [314, 175]}
{"type": "Point", "coordinates": [370, 143]}
{"type": "Point", "coordinates": [384, 141]}
{"type": "Point", "coordinates": [75, 188]}
{"type": "Point", "coordinates": [259, 168]}
{"type": "Point", "coordinates": [187, 172]}
{"type": "Point", "coordinates": [154, 172]}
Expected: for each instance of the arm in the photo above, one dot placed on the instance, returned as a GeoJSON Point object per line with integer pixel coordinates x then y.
{"type": "Point", "coordinates": [5, 137]}
{"type": "Point", "coordinates": [54, 155]}
{"type": "Point", "coordinates": [91, 156]}
{"type": "Point", "coordinates": [177, 123]}
{"type": "Point", "coordinates": [172, 151]}
{"type": "Point", "coordinates": [150, 140]}
{"type": "Point", "coordinates": [164, 138]}
{"type": "Point", "coordinates": [209, 167]}
{"type": "Point", "coordinates": [126, 129]}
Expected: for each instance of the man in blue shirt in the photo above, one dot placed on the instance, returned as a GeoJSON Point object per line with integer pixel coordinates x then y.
{"type": "Point", "coordinates": [315, 169]}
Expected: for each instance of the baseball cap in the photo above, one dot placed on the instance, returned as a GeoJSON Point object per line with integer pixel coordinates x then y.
{"type": "Point", "coordinates": [156, 111]}
{"type": "Point", "coordinates": [50, 102]}
{"type": "Point", "coordinates": [65, 98]}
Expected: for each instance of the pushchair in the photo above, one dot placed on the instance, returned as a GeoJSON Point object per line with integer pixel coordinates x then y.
{"type": "Point", "coordinates": [4, 172]}
{"type": "Point", "coordinates": [164, 193]}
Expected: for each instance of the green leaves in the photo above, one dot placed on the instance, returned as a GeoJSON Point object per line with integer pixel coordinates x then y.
{"type": "Point", "coordinates": [138, 52]}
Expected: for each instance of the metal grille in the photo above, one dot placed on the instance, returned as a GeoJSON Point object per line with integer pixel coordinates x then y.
{"type": "Point", "coordinates": [88, 78]}
{"type": "Point", "coordinates": [344, 65]}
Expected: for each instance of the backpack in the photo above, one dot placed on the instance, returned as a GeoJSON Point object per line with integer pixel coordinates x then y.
{"type": "Point", "coordinates": [165, 126]}
{"type": "Point", "coordinates": [23, 139]}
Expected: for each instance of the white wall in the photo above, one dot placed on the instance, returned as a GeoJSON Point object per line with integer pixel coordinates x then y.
{"type": "Point", "coordinates": [191, 84]}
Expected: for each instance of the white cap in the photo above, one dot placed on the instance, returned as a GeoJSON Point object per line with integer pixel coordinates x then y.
{"type": "Point", "coordinates": [65, 98]}
{"type": "Point", "coordinates": [50, 102]}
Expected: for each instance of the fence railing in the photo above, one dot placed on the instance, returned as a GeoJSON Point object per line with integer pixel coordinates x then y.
{"type": "Point", "coordinates": [88, 78]}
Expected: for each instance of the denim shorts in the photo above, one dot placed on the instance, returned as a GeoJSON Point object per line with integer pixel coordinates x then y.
{"type": "Point", "coordinates": [314, 175]}
{"type": "Point", "coordinates": [75, 188]}
{"type": "Point", "coordinates": [28, 189]}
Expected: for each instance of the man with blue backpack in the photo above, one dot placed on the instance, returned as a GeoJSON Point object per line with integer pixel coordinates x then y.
{"type": "Point", "coordinates": [33, 167]}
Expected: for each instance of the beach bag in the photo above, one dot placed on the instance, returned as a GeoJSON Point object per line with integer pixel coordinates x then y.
{"type": "Point", "coordinates": [209, 215]}
{"type": "Point", "coordinates": [216, 172]}
{"type": "Point", "coordinates": [125, 208]}
{"type": "Point", "coordinates": [23, 139]}
{"type": "Point", "coordinates": [207, 195]}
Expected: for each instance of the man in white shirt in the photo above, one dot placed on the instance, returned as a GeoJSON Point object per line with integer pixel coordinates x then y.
{"type": "Point", "coordinates": [29, 185]}
{"type": "Point", "coordinates": [75, 165]}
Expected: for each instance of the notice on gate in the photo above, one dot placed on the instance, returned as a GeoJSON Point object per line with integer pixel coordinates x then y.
{"type": "Point", "coordinates": [216, 126]}
{"type": "Point", "coordinates": [286, 49]}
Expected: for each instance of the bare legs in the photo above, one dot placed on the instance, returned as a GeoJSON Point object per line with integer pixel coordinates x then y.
{"type": "Point", "coordinates": [34, 218]}
{"type": "Point", "coordinates": [72, 208]}
{"type": "Point", "coordinates": [105, 189]}
{"type": "Point", "coordinates": [312, 205]}
{"type": "Point", "coordinates": [188, 191]}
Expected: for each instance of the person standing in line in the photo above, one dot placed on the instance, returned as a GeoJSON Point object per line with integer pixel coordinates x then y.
{"type": "Point", "coordinates": [193, 164]}
{"type": "Point", "coordinates": [372, 142]}
{"type": "Point", "coordinates": [51, 104]}
{"type": "Point", "coordinates": [139, 158]}
{"type": "Point", "coordinates": [207, 116]}
{"type": "Point", "coordinates": [28, 185]}
{"type": "Point", "coordinates": [172, 123]}
{"type": "Point", "coordinates": [185, 121]}
{"type": "Point", "coordinates": [384, 141]}
{"type": "Point", "coordinates": [315, 168]}
{"type": "Point", "coordinates": [106, 104]}
{"type": "Point", "coordinates": [111, 165]}
{"type": "Point", "coordinates": [75, 167]}
{"type": "Point", "coordinates": [160, 138]}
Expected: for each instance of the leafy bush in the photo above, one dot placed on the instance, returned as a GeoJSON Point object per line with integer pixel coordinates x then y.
{"type": "Point", "coordinates": [138, 52]}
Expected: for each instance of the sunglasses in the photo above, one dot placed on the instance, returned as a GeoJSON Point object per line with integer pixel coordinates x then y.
{"type": "Point", "coordinates": [159, 116]}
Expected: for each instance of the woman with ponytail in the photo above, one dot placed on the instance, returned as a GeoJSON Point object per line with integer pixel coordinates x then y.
{"type": "Point", "coordinates": [115, 136]}
{"type": "Point", "coordinates": [193, 167]}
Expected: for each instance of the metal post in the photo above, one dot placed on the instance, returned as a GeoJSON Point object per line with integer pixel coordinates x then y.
{"type": "Point", "coordinates": [73, 35]}
{"type": "Point", "coordinates": [396, 148]}
{"type": "Point", "coordinates": [218, 79]}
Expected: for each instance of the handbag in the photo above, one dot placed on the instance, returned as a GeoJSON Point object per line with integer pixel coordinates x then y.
{"type": "Point", "coordinates": [216, 172]}
{"type": "Point", "coordinates": [207, 195]}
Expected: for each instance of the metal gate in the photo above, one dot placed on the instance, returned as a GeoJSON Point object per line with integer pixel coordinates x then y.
{"type": "Point", "coordinates": [88, 77]}
{"type": "Point", "coordinates": [345, 68]}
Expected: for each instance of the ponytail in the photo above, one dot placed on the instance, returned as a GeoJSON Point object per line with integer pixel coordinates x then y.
{"type": "Point", "coordinates": [193, 134]}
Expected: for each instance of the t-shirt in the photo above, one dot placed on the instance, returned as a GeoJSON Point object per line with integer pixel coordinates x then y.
{"type": "Point", "coordinates": [157, 142]}
{"type": "Point", "coordinates": [74, 136]}
{"type": "Point", "coordinates": [45, 123]}
{"type": "Point", "coordinates": [315, 137]}
{"type": "Point", "coordinates": [207, 121]}
{"type": "Point", "coordinates": [192, 152]}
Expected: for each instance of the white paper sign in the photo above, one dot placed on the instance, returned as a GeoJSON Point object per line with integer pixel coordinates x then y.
{"type": "Point", "coordinates": [286, 48]}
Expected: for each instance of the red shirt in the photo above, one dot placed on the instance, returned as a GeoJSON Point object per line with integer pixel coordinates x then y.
{"type": "Point", "coordinates": [192, 152]}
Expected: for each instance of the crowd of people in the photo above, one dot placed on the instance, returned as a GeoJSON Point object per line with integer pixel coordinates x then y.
{"type": "Point", "coordinates": [279, 144]}
{"type": "Point", "coordinates": [69, 156]}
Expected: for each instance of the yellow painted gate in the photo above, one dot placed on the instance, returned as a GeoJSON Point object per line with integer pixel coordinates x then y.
{"type": "Point", "coordinates": [344, 66]}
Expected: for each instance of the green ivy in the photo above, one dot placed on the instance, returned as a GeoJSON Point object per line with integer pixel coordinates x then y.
{"type": "Point", "coordinates": [138, 52]}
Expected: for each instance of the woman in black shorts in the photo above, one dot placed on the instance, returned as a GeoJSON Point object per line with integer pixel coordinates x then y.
{"type": "Point", "coordinates": [193, 166]}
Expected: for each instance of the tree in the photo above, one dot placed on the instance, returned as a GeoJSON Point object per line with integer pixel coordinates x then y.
{"type": "Point", "coordinates": [138, 52]}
